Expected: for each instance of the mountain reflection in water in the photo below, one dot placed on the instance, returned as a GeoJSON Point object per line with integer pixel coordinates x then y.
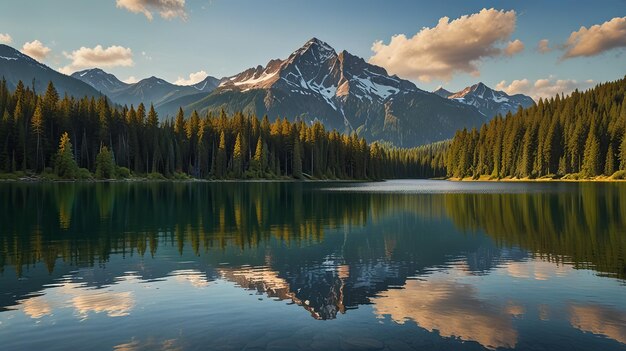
{"type": "Point", "coordinates": [471, 265]}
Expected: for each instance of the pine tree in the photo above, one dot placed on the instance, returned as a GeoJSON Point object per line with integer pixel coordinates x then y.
{"type": "Point", "coordinates": [64, 163]}
{"type": "Point", "coordinates": [105, 166]}
{"type": "Point", "coordinates": [591, 159]}
{"type": "Point", "coordinates": [297, 159]}
{"type": "Point", "coordinates": [259, 161]}
{"type": "Point", "coordinates": [609, 164]}
{"type": "Point", "coordinates": [153, 117]}
{"type": "Point", "coordinates": [622, 152]}
{"type": "Point", "coordinates": [179, 125]}
{"type": "Point", "coordinates": [220, 166]}
{"type": "Point", "coordinates": [237, 157]}
{"type": "Point", "coordinates": [37, 125]}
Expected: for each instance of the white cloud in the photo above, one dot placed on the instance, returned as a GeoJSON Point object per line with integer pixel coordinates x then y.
{"type": "Point", "coordinates": [130, 80]}
{"type": "Point", "coordinates": [167, 9]}
{"type": "Point", "coordinates": [543, 88]}
{"type": "Point", "coordinates": [36, 50]}
{"type": "Point", "coordinates": [514, 47]}
{"type": "Point", "coordinates": [596, 39]}
{"type": "Point", "coordinates": [544, 46]}
{"type": "Point", "coordinates": [5, 38]}
{"type": "Point", "coordinates": [194, 78]}
{"type": "Point", "coordinates": [518, 86]}
{"type": "Point", "coordinates": [113, 56]}
{"type": "Point", "coordinates": [448, 48]}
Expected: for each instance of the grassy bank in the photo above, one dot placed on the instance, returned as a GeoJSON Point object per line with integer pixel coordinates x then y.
{"type": "Point", "coordinates": [573, 177]}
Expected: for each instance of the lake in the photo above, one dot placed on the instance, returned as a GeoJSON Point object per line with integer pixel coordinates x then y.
{"type": "Point", "coordinates": [396, 265]}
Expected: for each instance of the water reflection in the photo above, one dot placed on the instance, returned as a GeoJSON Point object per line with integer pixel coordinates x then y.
{"type": "Point", "coordinates": [451, 308]}
{"type": "Point", "coordinates": [470, 266]}
{"type": "Point", "coordinates": [598, 319]}
{"type": "Point", "coordinates": [150, 344]}
{"type": "Point", "coordinates": [83, 300]}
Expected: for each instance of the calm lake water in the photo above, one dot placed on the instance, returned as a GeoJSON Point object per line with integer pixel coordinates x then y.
{"type": "Point", "coordinates": [383, 266]}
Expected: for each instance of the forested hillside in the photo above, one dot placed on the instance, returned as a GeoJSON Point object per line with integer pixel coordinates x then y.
{"type": "Point", "coordinates": [581, 135]}
{"type": "Point", "coordinates": [72, 138]}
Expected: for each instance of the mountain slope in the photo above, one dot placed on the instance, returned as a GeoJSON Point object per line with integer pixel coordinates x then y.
{"type": "Point", "coordinates": [207, 85]}
{"type": "Point", "coordinates": [100, 80]}
{"type": "Point", "coordinates": [15, 66]}
{"type": "Point", "coordinates": [342, 91]}
{"type": "Point", "coordinates": [443, 93]}
{"type": "Point", "coordinates": [488, 101]}
{"type": "Point", "coordinates": [151, 90]}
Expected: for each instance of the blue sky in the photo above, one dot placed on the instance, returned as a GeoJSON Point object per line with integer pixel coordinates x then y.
{"type": "Point", "coordinates": [224, 37]}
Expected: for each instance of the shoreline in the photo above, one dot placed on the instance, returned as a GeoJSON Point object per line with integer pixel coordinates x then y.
{"type": "Point", "coordinates": [33, 180]}
{"type": "Point", "coordinates": [599, 179]}
{"type": "Point", "coordinates": [485, 179]}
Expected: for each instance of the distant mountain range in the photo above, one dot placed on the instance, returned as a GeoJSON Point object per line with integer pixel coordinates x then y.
{"type": "Point", "coordinates": [488, 101]}
{"type": "Point", "coordinates": [150, 90]}
{"type": "Point", "coordinates": [315, 82]}
{"type": "Point", "coordinates": [15, 66]}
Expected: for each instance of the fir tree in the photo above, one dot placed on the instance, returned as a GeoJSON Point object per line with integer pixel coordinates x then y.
{"type": "Point", "coordinates": [591, 159]}
{"type": "Point", "coordinates": [105, 166]}
{"type": "Point", "coordinates": [37, 125]}
{"type": "Point", "coordinates": [64, 164]}
{"type": "Point", "coordinates": [221, 162]}
{"type": "Point", "coordinates": [237, 157]}
{"type": "Point", "coordinates": [297, 159]}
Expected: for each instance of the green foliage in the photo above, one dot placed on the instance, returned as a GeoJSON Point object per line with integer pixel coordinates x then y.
{"type": "Point", "coordinates": [237, 158]}
{"type": "Point", "coordinates": [180, 176]}
{"type": "Point", "coordinates": [582, 134]}
{"type": "Point", "coordinates": [619, 175]}
{"type": "Point", "coordinates": [9, 176]}
{"type": "Point", "coordinates": [297, 160]}
{"type": "Point", "coordinates": [220, 167]}
{"type": "Point", "coordinates": [83, 174]}
{"type": "Point", "coordinates": [574, 176]}
{"type": "Point", "coordinates": [105, 166]}
{"type": "Point", "coordinates": [64, 164]}
{"type": "Point", "coordinates": [48, 174]}
{"type": "Point", "coordinates": [122, 172]}
{"type": "Point", "coordinates": [213, 146]}
{"type": "Point", "coordinates": [155, 176]}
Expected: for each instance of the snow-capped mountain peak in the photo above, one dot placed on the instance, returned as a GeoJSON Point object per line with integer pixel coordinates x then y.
{"type": "Point", "coordinates": [319, 50]}
{"type": "Point", "coordinates": [316, 70]}
{"type": "Point", "coordinates": [488, 101]}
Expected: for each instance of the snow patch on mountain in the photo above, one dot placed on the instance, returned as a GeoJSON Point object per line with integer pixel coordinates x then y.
{"type": "Point", "coordinates": [489, 102]}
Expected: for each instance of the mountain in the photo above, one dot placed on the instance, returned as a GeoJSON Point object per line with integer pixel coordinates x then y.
{"type": "Point", "coordinates": [442, 92]}
{"type": "Point", "coordinates": [315, 83]}
{"type": "Point", "coordinates": [100, 80]}
{"type": "Point", "coordinates": [151, 90]}
{"type": "Point", "coordinates": [15, 66]}
{"type": "Point", "coordinates": [340, 90]}
{"type": "Point", "coordinates": [207, 85]}
{"type": "Point", "coordinates": [488, 101]}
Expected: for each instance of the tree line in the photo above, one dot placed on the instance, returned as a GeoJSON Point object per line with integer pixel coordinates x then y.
{"type": "Point", "coordinates": [581, 135]}
{"type": "Point", "coordinates": [72, 137]}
